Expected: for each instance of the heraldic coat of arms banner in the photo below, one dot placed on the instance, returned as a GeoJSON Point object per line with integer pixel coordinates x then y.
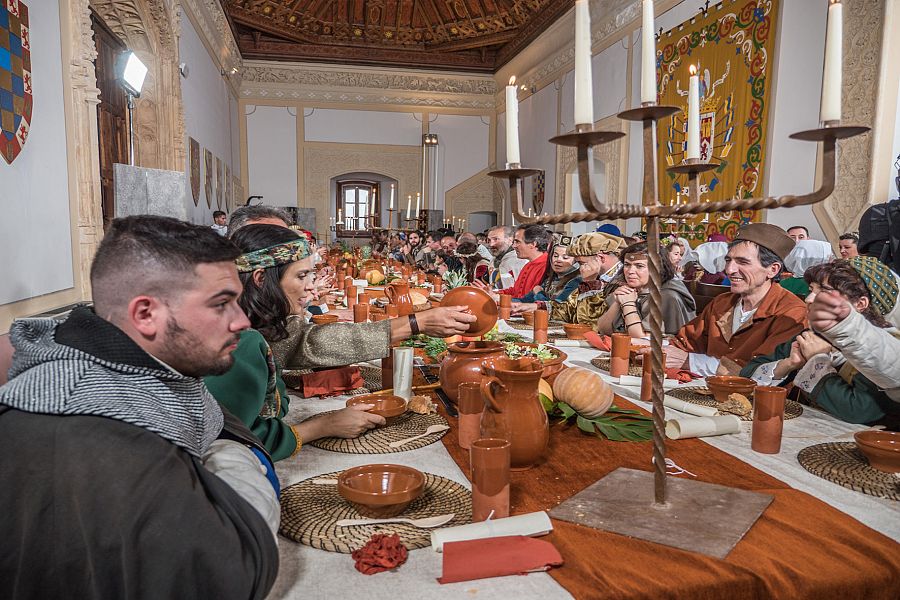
{"type": "Point", "coordinates": [15, 78]}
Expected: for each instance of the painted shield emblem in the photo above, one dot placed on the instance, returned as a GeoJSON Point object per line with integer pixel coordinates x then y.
{"type": "Point", "coordinates": [208, 187]}
{"type": "Point", "coordinates": [220, 183]}
{"type": "Point", "coordinates": [195, 171]}
{"type": "Point", "coordinates": [15, 78]}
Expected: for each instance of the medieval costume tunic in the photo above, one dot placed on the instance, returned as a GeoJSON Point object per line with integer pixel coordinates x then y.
{"type": "Point", "coordinates": [531, 275]}
{"type": "Point", "coordinates": [109, 488]}
{"type": "Point", "coordinates": [506, 269]}
{"type": "Point", "coordinates": [558, 289]}
{"type": "Point", "coordinates": [677, 308]}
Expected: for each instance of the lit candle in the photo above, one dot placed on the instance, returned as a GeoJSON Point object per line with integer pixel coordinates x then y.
{"type": "Point", "coordinates": [418, 202]}
{"type": "Point", "coordinates": [648, 55]}
{"type": "Point", "coordinates": [831, 79]}
{"type": "Point", "coordinates": [584, 102]}
{"type": "Point", "coordinates": [512, 123]}
{"type": "Point", "coordinates": [693, 132]}
{"type": "Point", "coordinates": [392, 196]}
{"type": "Point", "coordinates": [409, 206]}
{"type": "Point", "coordinates": [374, 192]}
{"type": "Point", "coordinates": [340, 215]}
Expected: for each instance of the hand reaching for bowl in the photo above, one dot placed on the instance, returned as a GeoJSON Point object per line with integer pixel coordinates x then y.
{"type": "Point", "coordinates": [522, 307]}
{"type": "Point", "coordinates": [445, 321]}
{"type": "Point", "coordinates": [345, 423]}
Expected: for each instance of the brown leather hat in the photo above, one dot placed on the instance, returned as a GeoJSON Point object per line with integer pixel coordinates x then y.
{"type": "Point", "coordinates": [768, 236]}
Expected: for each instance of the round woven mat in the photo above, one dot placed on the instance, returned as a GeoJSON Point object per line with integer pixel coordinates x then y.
{"type": "Point", "coordinates": [518, 323]}
{"type": "Point", "coordinates": [792, 409]}
{"type": "Point", "coordinates": [603, 365]}
{"type": "Point", "coordinates": [376, 441]}
{"type": "Point", "coordinates": [372, 377]}
{"type": "Point", "coordinates": [843, 463]}
{"type": "Point", "coordinates": [309, 512]}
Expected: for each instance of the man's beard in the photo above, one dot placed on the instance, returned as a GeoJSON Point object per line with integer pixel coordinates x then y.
{"type": "Point", "coordinates": [498, 251]}
{"type": "Point", "coordinates": [187, 353]}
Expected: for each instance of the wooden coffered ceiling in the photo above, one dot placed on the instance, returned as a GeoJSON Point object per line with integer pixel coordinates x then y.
{"type": "Point", "coordinates": [457, 35]}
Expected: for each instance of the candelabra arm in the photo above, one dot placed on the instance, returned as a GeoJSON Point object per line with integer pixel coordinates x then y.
{"type": "Point", "coordinates": [516, 192]}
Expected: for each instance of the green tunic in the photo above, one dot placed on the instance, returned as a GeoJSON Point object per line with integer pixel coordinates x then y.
{"type": "Point", "coordinates": [255, 393]}
{"type": "Point", "coordinates": [797, 286]}
{"type": "Point", "coordinates": [848, 395]}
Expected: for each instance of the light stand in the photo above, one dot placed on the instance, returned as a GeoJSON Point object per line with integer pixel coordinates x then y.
{"type": "Point", "coordinates": [131, 75]}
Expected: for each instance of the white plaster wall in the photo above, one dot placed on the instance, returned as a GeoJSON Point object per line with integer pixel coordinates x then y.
{"type": "Point", "coordinates": [537, 124]}
{"type": "Point", "coordinates": [210, 117]}
{"type": "Point", "coordinates": [892, 186]}
{"type": "Point", "coordinates": [34, 190]}
{"type": "Point", "coordinates": [363, 127]}
{"type": "Point", "coordinates": [272, 154]}
{"type": "Point", "coordinates": [463, 147]}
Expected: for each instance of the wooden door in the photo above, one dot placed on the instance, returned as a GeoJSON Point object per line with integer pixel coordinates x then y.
{"type": "Point", "coordinates": [112, 120]}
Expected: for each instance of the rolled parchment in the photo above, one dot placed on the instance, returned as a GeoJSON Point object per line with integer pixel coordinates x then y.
{"type": "Point", "coordinates": [567, 343]}
{"type": "Point", "coordinates": [403, 372]}
{"type": "Point", "coordinates": [531, 524]}
{"type": "Point", "coordinates": [679, 429]}
{"type": "Point", "coordinates": [634, 381]}
{"type": "Point", "coordinates": [687, 407]}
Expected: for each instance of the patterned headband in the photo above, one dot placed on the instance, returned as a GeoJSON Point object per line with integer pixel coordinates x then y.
{"type": "Point", "coordinates": [273, 256]}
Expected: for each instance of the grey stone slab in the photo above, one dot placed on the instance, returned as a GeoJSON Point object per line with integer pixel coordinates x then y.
{"type": "Point", "coordinates": [142, 191]}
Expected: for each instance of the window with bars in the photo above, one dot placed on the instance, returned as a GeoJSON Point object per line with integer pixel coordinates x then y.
{"type": "Point", "coordinates": [357, 207]}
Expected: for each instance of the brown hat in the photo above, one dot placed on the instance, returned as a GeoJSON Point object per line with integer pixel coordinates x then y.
{"type": "Point", "coordinates": [768, 236]}
{"type": "Point", "coordinates": [590, 244]}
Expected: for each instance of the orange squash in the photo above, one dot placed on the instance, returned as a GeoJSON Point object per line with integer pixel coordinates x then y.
{"type": "Point", "coordinates": [583, 390]}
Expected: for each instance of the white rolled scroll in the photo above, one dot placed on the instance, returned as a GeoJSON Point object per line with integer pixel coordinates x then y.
{"type": "Point", "coordinates": [687, 407]}
{"type": "Point", "coordinates": [531, 524]}
{"type": "Point", "coordinates": [567, 343]}
{"type": "Point", "coordinates": [679, 429]}
{"type": "Point", "coordinates": [403, 372]}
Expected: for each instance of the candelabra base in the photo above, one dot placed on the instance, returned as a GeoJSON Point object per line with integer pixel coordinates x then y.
{"type": "Point", "coordinates": [649, 111]}
{"type": "Point", "coordinates": [837, 132]}
{"type": "Point", "coordinates": [692, 166]}
{"type": "Point", "coordinates": [516, 172]}
{"type": "Point", "coordinates": [700, 517]}
{"type": "Point", "coordinates": [586, 138]}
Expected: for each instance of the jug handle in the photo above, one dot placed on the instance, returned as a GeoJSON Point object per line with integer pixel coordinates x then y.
{"type": "Point", "coordinates": [487, 392]}
{"type": "Point", "coordinates": [389, 292]}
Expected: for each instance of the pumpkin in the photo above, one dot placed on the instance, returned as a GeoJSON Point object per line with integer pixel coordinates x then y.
{"type": "Point", "coordinates": [545, 389]}
{"type": "Point", "coordinates": [583, 390]}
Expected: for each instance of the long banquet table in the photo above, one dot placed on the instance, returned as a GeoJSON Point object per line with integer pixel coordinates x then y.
{"type": "Point", "coordinates": [816, 540]}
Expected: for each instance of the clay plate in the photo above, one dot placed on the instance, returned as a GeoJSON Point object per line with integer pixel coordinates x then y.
{"type": "Point", "coordinates": [480, 304]}
{"type": "Point", "coordinates": [882, 448]}
{"type": "Point", "coordinates": [389, 407]}
{"type": "Point", "coordinates": [380, 491]}
{"type": "Point", "coordinates": [723, 385]}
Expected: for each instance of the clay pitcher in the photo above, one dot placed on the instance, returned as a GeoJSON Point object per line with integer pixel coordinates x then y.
{"type": "Point", "coordinates": [463, 364]}
{"type": "Point", "coordinates": [512, 408]}
{"type": "Point", "coordinates": [398, 295]}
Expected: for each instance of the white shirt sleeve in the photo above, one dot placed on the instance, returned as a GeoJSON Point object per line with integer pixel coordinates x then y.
{"type": "Point", "coordinates": [764, 375]}
{"type": "Point", "coordinates": [813, 371]}
{"type": "Point", "coordinates": [703, 364]}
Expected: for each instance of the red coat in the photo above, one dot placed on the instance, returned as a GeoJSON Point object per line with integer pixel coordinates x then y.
{"type": "Point", "coordinates": [530, 276]}
{"type": "Point", "coordinates": [780, 316]}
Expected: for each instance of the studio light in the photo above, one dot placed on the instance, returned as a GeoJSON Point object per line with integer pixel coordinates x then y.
{"type": "Point", "coordinates": [132, 75]}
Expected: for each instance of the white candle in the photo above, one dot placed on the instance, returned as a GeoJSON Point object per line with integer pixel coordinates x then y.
{"type": "Point", "coordinates": [584, 102]}
{"type": "Point", "coordinates": [693, 132]}
{"type": "Point", "coordinates": [372, 212]}
{"type": "Point", "coordinates": [648, 55]}
{"type": "Point", "coordinates": [832, 75]}
{"type": "Point", "coordinates": [409, 206]}
{"type": "Point", "coordinates": [340, 215]}
{"type": "Point", "coordinates": [392, 196]}
{"type": "Point", "coordinates": [512, 123]}
{"type": "Point", "coordinates": [418, 202]}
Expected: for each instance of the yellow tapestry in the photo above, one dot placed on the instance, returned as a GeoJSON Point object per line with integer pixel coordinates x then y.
{"type": "Point", "coordinates": [733, 48]}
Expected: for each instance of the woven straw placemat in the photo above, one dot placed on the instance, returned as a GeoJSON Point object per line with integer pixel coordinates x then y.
{"type": "Point", "coordinates": [372, 377]}
{"type": "Point", "coordinates": [309, 512]}
{"type": "Point", "coordinates": [844, 464]}
{"type": "Point", "coordinates": [603, 365]}
{"type": "Point", "coordinates": [792, 409]}
{"type": "Point", "coordinates": [517, 323]}
{"type": "Point", "coordinates": [376, 441]}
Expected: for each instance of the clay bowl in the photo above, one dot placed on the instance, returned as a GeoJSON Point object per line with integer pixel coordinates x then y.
{"type": "Point", "coordinates": [323, 319]}
{"type": "Point", "coordinates": [479, 303]}
{"type": "Point", "coordinates": [380, 491]}
{"type": "Point", "coordinates": [528, 317]}
{"type": "Point", "coordinates": [882, 448]}
{"type": "Point", "coordinates": [552, 366]}
{"type": "Point", "coordinates": [576, 331]}
{"type": "Point", "coordinates": [389, 407]}
{"type": "Point", "coordinates": [723, 385]}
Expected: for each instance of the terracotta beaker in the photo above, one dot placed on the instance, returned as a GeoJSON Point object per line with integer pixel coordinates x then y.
{"type": "Point", "coordinates": [470, 408]}
{"type": "Point", "coordinates": [768, 419]}
{"type": "Point", "coordinates": [618, 355]}
{"type": "Point", "coordinates": [420, 277]}
{"type": "Point", "coordinates": [510, 390]}
{"type": "Point", "coordinates": [647, 376]}
{"type": "Point", "coordinates": [438, 283]}
{"type": "Point", "coordinates": [361, 313]}
{"type": "Point", "coordinates": [541, 322]}
{"type": "Point", "coordinates": [505, 306]}
{"type": "Point", "coordinates": [490, 460]}
{"type": "Point", "coordinates": [398, 295]}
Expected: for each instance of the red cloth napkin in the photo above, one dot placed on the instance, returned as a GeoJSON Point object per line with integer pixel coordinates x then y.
{"type": "Point", "coordinates": [600, 342]}
{"type": "Point", "coordinates": [381, 553]}
{"type": "Point", "coordinates": [331, 381]}
{"type": "Point", "coordinates": [682, 375]}
{"type": "Point", "coordinates": [496, 557]}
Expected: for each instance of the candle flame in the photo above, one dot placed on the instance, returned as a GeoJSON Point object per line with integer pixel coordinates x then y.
{"type": "Point", "coordinates": [835, 2]}
{"type": "Point", "coordinates": [512, 80]}
{"type": "Point", "coordinates": [693, 70]}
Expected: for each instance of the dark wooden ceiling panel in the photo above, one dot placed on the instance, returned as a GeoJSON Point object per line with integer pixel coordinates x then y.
{"type": "Point", "coordinates": [460, 35]}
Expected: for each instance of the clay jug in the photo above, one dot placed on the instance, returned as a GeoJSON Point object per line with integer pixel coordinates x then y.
{"type": "Point", "coordinates": [512, 408]}
{"type": "Point", "coordinates": [398, 295]}
{"type": "Point", "coordinates": [463, 363]}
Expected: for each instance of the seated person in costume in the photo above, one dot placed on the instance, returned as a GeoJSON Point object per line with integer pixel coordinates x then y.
{"type": "Point", "coordinates": [506, 265]}
{"type": "Point", "coordinates": [806, 254]}
{"type": "Point", "coordinates": [597, 256]}
{"type": "Point", "coordinates": [138, 483]}
{"type": "Point", "coordinates": [627, 310]}
{"type": "Point", "coordinates": [676, 250]}
{"type": "Point", "coordinates": [475, 266]}
{"type": "Point", "coordinates": [708, 264]}
{"type": "Point", "coordinates": [530, 243]}
{"type": "Point", "coordinates": [812, 364]}
{"type": "Point", "coordinates": [561, 277]}
{"type": "Point", "coordinates": [753, 318]}
{"type": "Point", "coordinates": [278, 279]}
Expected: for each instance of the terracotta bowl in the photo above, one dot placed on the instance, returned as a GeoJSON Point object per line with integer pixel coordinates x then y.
{"type": "Point", "coordinates": [552, 366]}
{"type": "Point", "coordinates": [479, 304]}
{"type": "Point", "coordinates": [380, 491]}
{"type": "Point", "coordinates": [389, 407]}
{"type": "Point", "coordinates": [322, 319]}
{"type": "Point", "coordinates": [528, 317]}
{"type": "Point", "coordinates": [882, 448]}
{"type": "Point", "coordinates": [723, 385]}
{"type": "Point", "coordinates": [576, 331]}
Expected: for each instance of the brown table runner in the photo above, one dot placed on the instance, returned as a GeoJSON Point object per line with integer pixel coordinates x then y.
{"type": "Point", "coordinates": [800, 548]}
